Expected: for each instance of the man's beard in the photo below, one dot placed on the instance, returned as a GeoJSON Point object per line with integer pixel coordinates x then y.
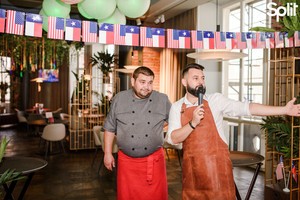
{"type": "Point", "coordinates": [193, 91]}
{"type": "Point", "coordinates": [138, 94]}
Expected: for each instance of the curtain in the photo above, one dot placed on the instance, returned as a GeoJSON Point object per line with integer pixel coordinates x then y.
{"type": "Point", "coordinates": [173, 60]}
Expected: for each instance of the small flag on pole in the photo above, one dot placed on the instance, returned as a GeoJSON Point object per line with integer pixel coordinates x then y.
{"type": "Point", "coordinates": [33, 25]}
{"type": "Point", "coordinates": [106, 33]}
{"type": "Point", "coordinates": [2, 20]}
{"type": "Point", "coordinates": [208, 40]}
{"type": "Point", "coordinates": [15, 22]}
{"type": "Point", "coordinates": [73, 30]}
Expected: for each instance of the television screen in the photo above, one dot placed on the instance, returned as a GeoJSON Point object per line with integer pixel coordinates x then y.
{"type": "Point", "coordinates": [49, 75]}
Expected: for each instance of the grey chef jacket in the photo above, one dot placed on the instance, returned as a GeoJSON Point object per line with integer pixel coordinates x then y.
{"type": "Point", "coordinates": [138, 123]}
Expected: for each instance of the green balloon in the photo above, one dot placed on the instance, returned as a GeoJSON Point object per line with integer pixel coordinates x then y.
{"type": "Point", "coordinates": [45, 20]}
{"type": "Point", "coordinates": [56, 8]}
{"type": "Point", "coordinates": [98, 9]}
{"type": "Point", "coordinates": [133, 8]}
{"type": "Point", "coordinates": [116, 18]}
{"type": "Point", "coordinates": [82, 12]}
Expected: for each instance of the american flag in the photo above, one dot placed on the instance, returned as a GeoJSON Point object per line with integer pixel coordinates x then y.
{"type": "Point", "coordinates": [294, 172]}
{"type": "Point", "coordinates": [2, 20]}
{"type": "Point", "coordinates": [220, 40]}
{"type": "Point", "coordinates": [241, 40]}
{"type": "Point", "coordinates": [173, 38]}
{"type": "Point", "coordinates": [208, 40]}
{"type": "Point", "coordinates": [197, 39]}
{"type": "Point", "coordinates": [279, 40]}
{"type": "Point", "coordinates": [34, 25]}
{"type": "Point", "coordinates": [288, 41]}
{"type": "Point", "coordinates": [152, 37]}
{"type": "Point", "coordinates": [297, 38]}
{"type": "Point", "coordinates": [89, 31]}
{"type": "Point", "coordinates": [126, 35]}
{"type": "Point", "coordinates": [270, 41]}
{"type": "Point", "coordinates": [73, 30]}
{"type": "Point", "coordinates": [56, 27]}
{"type": "Point", "coordinates": [106, 33]}
{"type": "Point", "coordinates": [184, 37]}
{"type": "Point", "coordinates": [280, 169]}
{"type": "Point", "coordinates": [261, 40]}
{"type": "Point", "coordinates": [15, 22]}
{"type": "Point", "coordinates": [231, 41]}
{"type": "Point", "coordinates": [251, 40]}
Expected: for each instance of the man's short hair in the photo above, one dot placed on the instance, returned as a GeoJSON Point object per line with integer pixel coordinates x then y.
{"type": "Point", "coordinates": [142, 70]}
{"type": "Point", "coordinates": [192, 66]}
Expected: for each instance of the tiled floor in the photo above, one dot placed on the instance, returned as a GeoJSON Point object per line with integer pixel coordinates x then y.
{"type": "Point", "coordinates": [71, 176]}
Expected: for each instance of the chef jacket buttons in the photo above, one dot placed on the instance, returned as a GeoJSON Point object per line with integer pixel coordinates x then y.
{"type": "Point", "coordinates": [132, 123]}
{"type": "Point", "coordinates": [146, 135]}
{"type": "Point", "coordinates": [149, 111]}
{"type": "Point", "coordinates": [133, 112]}
{"type": "Point", "coordinates": [132, 136]}
{"type": "Point", "coordinates": [132, 149]}
{"type": "Point", "coordinates": [133, 100]}
{"type": "Point", "coordinates": [150, 100]}
{"type": "Point", "coordinates": [148, 122]}
{"type": "Point", "coordinates": [145, 148]}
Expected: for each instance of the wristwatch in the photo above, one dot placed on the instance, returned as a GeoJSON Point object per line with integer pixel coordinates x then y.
{"type": "Point", "coordinates": [191, 125]}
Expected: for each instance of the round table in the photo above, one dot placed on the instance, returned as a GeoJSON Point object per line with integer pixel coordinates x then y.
{"type": "Point", "coordinates": [240, 159]}
{"type": "Point", "coordinates": [27, 166]}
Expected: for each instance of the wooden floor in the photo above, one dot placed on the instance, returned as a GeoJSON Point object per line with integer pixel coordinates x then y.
{"type": "Point", "coordinates": [72, 176]}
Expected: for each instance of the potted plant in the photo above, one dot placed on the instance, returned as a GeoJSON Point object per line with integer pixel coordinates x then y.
{"type": "Point", "coordinates": [104, 62]}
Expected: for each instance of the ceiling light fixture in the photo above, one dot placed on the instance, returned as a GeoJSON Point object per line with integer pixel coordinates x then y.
{"type": "Point", "coordinates": [217, 54]}
{"type": "Point", "coordinates": [138, 21]}
{"type": "Point", "coordinates": [160, 19]}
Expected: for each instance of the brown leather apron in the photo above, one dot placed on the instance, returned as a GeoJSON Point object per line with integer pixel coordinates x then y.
{"type": "Point", "coordinates": [207, 168]}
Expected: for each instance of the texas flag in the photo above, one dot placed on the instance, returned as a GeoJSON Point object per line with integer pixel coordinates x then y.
{"type": "Point", "coordinates": [208, 40]}
{"type": "Point", "coordinates": [173, 38]}
{"type": "Point", "coordinates": [260, 40]}
{"type": "Point", "coordinates": [251, 40]}
{"type": "Point", "coordinates": [89, 31]}
{"type": "Point", "coordinates": [152, 37]}
{"type": "Point", "coordinates": [297, 38]}
{"type": "Point", "coordinates": [73, 30]}
{"type": "Point", "coordinates": [184, 37]}
{"type": "Point", "coordinates": [15, 22]}
{"type": "Point", "coordinates": [2, 20]}
{"type": "Point", "coordinates": [197, 39]}
{"type": "Point", "coordinates": [220, 40]}
{"type": "Point", "coordinates": [279, 40]}
{"type": "Point", "coordinates": [56, 26]}
{"type": "Point", "coordinates": [294, 172]}
{"type": "Point", "coordinates": [231, 41]}
{"type": "Point", "coordinates": [126, 35]}
{"type": "Point", "coordinates": [270, 40]}
{"type": "Point", "coordinates": [288, 41]}
{"type": "Point", "coordinates": [33, 25]}
{"type": "Point", "coordinates": [106, 33]}
{"type": "Point", "coordinates": [241, 40]}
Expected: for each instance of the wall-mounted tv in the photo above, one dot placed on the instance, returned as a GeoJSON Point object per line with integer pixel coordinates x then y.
{"type": "Point", "coordinates": [49, 75]}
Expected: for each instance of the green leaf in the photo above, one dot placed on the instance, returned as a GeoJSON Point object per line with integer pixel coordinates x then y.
{"type": "Point", "coordinates": [262, 29]}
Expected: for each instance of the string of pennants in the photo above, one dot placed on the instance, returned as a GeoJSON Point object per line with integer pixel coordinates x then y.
{"type": "Point", "coordinates": [19, 23]}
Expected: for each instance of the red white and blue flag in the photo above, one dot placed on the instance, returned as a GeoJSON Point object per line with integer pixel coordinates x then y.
{"type": "Point", "coordinates": [56, 27]}
{"type": "Point", "coordinates": [34, 25]}
{"type": "Point", "coordinates": [288, 41]}
{"type": "Point", "coordinates": [152, 37]}
{"type": "Point", "coordinates": [261, 40]}
{"type": "Point", "coordinates": [197, 39]}
{"type": "Point", "coordinates": [73, 30]}
{"type": "Point", "coordinates": [294, 172]}
{"type": "Point", "coordinates": [208, 40]}
{"type": "Point", "coordinates": [251, 40]}
{"type": "Point", "coordinates": [106, 33]}
{"type": "Point", "coordinates": [279, 43]}
{"type": "Point", "coordinates": [89, 31]}
{"type": "Point", "coordinates": [2, 20]}
{"type": "Point", "coordinates": [231, 41]}
{"type": "Point", "coordinates": [220, 40]}
{"type": "Point", "coordinates": [241, 40]}
{"type": "Point", "coordinates": [126, 35]}
{"type": "Point", "coordinates": [184, 37]}
{"type": "Point", "coordinates": [270, 40]}
{"type": "Point", "coordinates": [15, 22]}
{"type": "Point", "coordinates": [297, 38]}
{"type": "Point", "coordinates": [280, 169]}
{"type": "Point", "coordinates": [173, 38]}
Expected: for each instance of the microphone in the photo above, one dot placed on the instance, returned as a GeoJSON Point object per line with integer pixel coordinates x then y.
{"type": "Point", "coordinates": [200, 91]}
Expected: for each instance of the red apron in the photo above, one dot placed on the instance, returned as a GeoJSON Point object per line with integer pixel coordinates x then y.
{"type": "Point", "coordinates": [207, 168]}
{"type": "Point", "coordinates": [142, 178]}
